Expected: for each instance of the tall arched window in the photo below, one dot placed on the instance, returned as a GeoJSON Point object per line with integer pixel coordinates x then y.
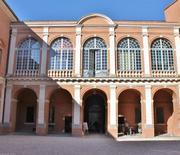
{"type": "Point", "coordinates": [61, 54]}
{"type": "Point", "coordinates": [95, 57]}
{"type": "Point", "coordinates": [129, 55]}
{"type": "Point", "coordinates": [28, 55]}
{"type": "Point", "coordinates": [162, 55]}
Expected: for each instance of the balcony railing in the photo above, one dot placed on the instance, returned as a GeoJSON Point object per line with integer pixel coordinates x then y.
{"type": "Point", "coordinates": [27, 73]}
{"type": "Point", "coordinates": [60, 73]}
{"type": "Point", "coordinates": [127, 74]}
{"type": "Point", "coordinates": [164, 73]}
{"type": "Point", "coordinates": [69, 74]}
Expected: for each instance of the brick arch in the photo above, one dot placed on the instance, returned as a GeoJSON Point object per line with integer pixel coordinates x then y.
{"type": "Point", "coordinates": [129, 36]}
{"type": "Point", "coordinates": [60, 110]}
{"type": "Point", "coordinates": [26, 110]}
{"type": "Point", "coordinates": [106, 18]}
{"type": "Point", "coordinates": [20, 90]}
{"type": "Point", "coordinates": [61, 36]}
{"type": "Point", "coordinates": [95, 98]}
{"type": "Point", "coordinates": [50, 91]}
{"type": "Point", "coordinates": [163, 111]}
{"type": "Point", "coordinates": [134, 89]}
{"type": "Point", "coordinates": [95, 90]}
{"type": "Point", "coordinates": [161, 37]}
{"type": "Point", "coordinates": [59, 90]}
{"type": "Point", "coordinates": [91, 37]}
{"type": "Point", "coordinates": [27, 37]}
{"type": "Point", "coordinates": [170, 90]}
{"type": "Point", "coordinates": [129, 110]}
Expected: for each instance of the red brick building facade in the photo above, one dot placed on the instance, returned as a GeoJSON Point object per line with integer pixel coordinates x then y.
{"type": "Point", "coordinates": [109, 74]}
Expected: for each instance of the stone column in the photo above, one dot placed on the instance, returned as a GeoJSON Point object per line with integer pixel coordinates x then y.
{"type": "Point", "coordinates": [149, 108]}
{"type": "Point", "coordinates": [112, 51]}
{"type": "Point", "coordinates": [146, 52]}
{"type": "Point", "coordinates": [177, 44]}
{"type": "Point", "coordinates": [77, 60]}
{"type": "Point", "coordinates": [12, 51]}
{"type": "Point", "coordinates": [41, 128]}
{"type": "Point", "coordinates": [77, 124]}
{"type": "Point", "coordinates": [113, 127]}
{"type": "Point", "coordinates": [44, 51]}
{"type": "Point", "coordinates": [2, 103]}
{"type": "Point", "coordinates": [7, 124]}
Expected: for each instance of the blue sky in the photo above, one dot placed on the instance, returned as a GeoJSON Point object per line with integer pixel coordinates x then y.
{"type": "Point", "coordinates": [75, 9]}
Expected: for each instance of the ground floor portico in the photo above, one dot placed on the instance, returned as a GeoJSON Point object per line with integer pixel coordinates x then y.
{"type": "Point", "coordinates": [114, 108]}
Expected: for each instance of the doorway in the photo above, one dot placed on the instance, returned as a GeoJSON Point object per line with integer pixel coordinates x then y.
{"type": "Point", "coordinates": [95, 112]}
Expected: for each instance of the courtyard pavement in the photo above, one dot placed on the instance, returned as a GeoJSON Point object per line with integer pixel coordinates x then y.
{"type": "Point", "coordinates": [88, 145]}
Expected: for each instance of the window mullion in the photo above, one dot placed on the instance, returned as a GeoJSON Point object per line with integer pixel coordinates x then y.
{"type": "Point", "coordinates": [162, 61]}
{"type": "Point", "coordinates": [156, 58]}
{"type": "Point", "coordinates": [123, 60]}
{"type": "Point", "coordinates": [134, 58]}
{"type": "Point", "coordinates": [168, 60]}
{"type": "Point", "coordinates": [67, 59]}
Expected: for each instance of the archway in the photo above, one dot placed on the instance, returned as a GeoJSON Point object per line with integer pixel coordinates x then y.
{"type": "Point", "coordinates": [95, 111]}
{"type": "Point", "coordinates": [26, 111]}
{"type": "Point", "coordinates": [60, 112]}
{"type": "Point", "coordinates": [129, 112]}
{"type": "Point", "coordinates": [163, 110]}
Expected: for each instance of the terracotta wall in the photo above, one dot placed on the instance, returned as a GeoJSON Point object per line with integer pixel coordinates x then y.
{"type": "Point", "coordinates": [62, 101]}
{"type": "Point", "coordinates": [172, 13]}
{"type": "Point", "coordinates": [4, 37]}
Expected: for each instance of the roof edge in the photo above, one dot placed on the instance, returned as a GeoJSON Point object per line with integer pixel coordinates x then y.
{"type": "Point", "coordinates": [11, 11]}
{"type": "Point", "coordinates": [170, 4]}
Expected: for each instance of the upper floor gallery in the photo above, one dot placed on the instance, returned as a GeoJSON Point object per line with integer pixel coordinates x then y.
{"type": "Point", "coordinates": [95, 46]}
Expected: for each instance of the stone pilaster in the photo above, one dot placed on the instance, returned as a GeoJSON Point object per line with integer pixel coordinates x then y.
{"type": "Point", "coordinates": [146, 52]}
{"type": "Point", "coordinates": [112, 51]}
{"type": "Point", "coordinates": [44, 51]}
{"type": "Point", "coordinates": [41, 128]}
{"type": "Point", "coordinates": [77, 70]}
{"type": "Point", "coordinates": [77, 124]}
{"type": "Point", "coordinates": [12, 51]}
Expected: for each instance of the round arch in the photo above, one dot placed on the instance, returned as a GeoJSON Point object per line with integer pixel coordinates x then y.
{"type": "Point", "coordinates": [60, 111]}
{"type": "Point", "coordinates": [81, 21]}
{"type": "Point", "coordinates": [163, 111]}
{"type": "Point", "coordinates": [129, 112]}
{"type": "Point", "coordinates": [95, 110]}
{"type": "Point", "coordinates": [26, 110]}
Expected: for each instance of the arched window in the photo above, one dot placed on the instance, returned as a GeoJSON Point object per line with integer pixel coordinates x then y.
{"type": "Point", "coordinates": [28, 55]}
{"type": "Point", "coordinates": [61, 54]}
{"type": "Point", "coordinates": [95, 57]}
{"type": "Point", "coordinates": [162, 55]}
{"type": "Point", "coordinates": [129, 55]}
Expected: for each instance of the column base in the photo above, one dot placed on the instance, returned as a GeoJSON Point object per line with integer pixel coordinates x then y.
{"type": "Point", "coordinates": [77, 131]}
{"type": "Point", "coordinates": [5, 128]}
{"type": "Point", "coordinates": [148, 131]}
{"type": "Point", "coordinates": [41, 130]}
{"type": "Point", "coordinates": [113, 131]}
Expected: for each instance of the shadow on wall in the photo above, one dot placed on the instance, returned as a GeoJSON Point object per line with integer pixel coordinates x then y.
{"type": "Point", "coordinates": [35, 59]}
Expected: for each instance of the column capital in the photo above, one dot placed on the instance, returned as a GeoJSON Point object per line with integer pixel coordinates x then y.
{"type": "Point", "coordinates": [113, 86]}
{"type": "Point", "coordinates": [9, 86]}
{"type": "Point", "coordinates": [148, 86]}
{"type": "Point", "coordinates": [42, 87]}
{"type": "Point", "coordinates": [46, 31]}
{"type": "Point", "coordinates": [78, 29]}
{"type": "Point", "coordinates": [77, 86]}
{"type": "Point", "coordinates": [14, 32]}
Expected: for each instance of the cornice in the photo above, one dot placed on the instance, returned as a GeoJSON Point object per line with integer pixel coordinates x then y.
{"type": "Point", "coordinates": [130, 24]}
{"type": "Point", "coordinates": [96, 80]}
